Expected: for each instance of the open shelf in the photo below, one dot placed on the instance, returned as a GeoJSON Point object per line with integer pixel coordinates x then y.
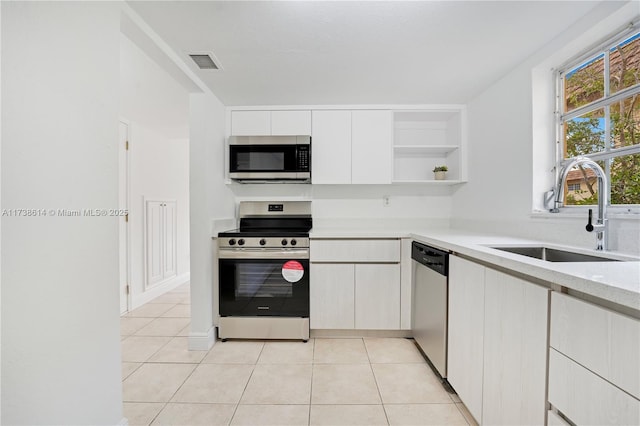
{"type": "Point", "coordinates": [424, 139]}
{"type": "Point", "coordinates": [435, 150]}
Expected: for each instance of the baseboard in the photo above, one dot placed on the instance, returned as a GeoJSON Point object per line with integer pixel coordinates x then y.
{"type": "Point", "coordinates": [138, 300]}
{"type": "Point", "coordinates": [322, 333]}
{"type": "Point", "coordinates": [202, 341]}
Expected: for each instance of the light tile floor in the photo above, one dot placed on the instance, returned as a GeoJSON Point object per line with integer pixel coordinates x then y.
{"type": "Point", "coordinates": [370, 381]}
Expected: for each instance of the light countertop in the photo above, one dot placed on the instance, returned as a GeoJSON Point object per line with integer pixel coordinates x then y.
{"type": "Point", "coordinates": [617, 282]}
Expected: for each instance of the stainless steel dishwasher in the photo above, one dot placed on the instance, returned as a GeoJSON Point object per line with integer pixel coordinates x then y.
{"type": "Point", "coordinates": [431, 292]}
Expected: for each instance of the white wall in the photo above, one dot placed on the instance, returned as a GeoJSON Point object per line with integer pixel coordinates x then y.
{"type": "Point", "coordinates": [60, 307]}
{"type": "Point", "coordinates": [210, 199]}
{"type": "Point", "coordinates": [361, 205]}
{"type": "Point", "coordinates": [157, 110]}
{"type": "Point", "coordinates": [506, 149]}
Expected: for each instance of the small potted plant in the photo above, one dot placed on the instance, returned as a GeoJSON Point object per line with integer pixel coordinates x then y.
{"type": "Point", "coordinates": [440, 172]}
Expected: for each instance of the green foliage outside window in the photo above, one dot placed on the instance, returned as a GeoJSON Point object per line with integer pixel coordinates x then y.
{"type": "Point", "coordinates": [586, 134]}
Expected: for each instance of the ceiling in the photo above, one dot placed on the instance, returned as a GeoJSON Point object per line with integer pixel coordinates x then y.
{"type": "Point", "coordinates": [342, 52]}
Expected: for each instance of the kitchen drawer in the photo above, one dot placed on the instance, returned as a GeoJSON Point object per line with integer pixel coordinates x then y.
{"type": "Point", "coordinates": [603, 341]}
{"type": "Point", "coordinates": [587, 399]}
{"type": "Point", "coordinates": [356, 250]}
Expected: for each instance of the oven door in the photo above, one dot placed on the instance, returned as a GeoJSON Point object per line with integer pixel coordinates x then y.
{"type": "Point", "coordinates": [264, 287]}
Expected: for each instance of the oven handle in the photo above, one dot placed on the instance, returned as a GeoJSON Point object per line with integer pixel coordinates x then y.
{"type": "Point", "coordinates": [263, 254]}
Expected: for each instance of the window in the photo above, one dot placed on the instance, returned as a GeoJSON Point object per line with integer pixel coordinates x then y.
{"type": "Point", "coordinates": [599, 117]}
{"type": "Point", "coordinates": [573, 186]}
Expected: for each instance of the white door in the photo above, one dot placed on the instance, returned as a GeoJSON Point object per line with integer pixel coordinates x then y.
{"type": "Point", "coordinates": [123, 204]}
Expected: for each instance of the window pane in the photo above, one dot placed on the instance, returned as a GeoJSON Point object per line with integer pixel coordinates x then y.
{"type": "Point", "coordinates": [581, 187]}
{"type": "Point", "coordinates": [625, 179]}
{"type": "Point", "coordinates": [625, 122]}
{"type": "Point", "coordinates": [584, 84]}
{"type": "Point", "coordinates": [624, 62]}
{"type": "Point", "coordinates": [584, 134]}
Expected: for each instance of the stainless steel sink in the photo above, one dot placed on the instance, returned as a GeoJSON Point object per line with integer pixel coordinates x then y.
{"type": "Point", "coordinates": [555, 255]}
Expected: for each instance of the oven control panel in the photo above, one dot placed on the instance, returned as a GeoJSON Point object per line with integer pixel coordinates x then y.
{"type": "Point", "coordinates": [263, 242]}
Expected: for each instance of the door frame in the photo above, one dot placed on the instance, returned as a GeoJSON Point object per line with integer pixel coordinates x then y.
{"type": "Point", "coordinates": [124, 251]}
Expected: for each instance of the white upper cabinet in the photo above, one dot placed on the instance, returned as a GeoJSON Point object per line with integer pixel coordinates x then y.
{"type": "Point", "coordinates": [331, 147]}
{"type": "Point", "coordinates": [250, 123]}
{"type": "Point", "coordinates": [290, 123]}
{"type": "Point", "coordinates": [371, 153]}
{"type": "Point", "coordinates": [370, 146]}
{"type": "Point", "coordinates": [270, 123]}
{"type": "Point", "coordinates": [351, 147]}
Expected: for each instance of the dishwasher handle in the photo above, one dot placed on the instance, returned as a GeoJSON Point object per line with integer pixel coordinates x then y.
{"type": "Point", "coordinates": [432, 258]}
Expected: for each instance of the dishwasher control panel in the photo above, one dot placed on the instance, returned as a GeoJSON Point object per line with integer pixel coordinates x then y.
{"type": "Point", "coordinates": [431, 257]}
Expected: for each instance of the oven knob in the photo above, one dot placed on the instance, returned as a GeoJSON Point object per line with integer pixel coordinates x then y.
{"type": "Point", "coordinates": [294, 242]}
{"type": "Point", "coordinates": [263, 242]}
{"type": "Point", "coordinates": [284, 242]}
{"type": "Point", "coordinates": [232, 242]}
{"type": "Point", "coordinates": [241, 242]}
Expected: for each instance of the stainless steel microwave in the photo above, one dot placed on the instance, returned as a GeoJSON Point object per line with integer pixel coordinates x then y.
{"type": "Point", "coordinates": [270, 158]}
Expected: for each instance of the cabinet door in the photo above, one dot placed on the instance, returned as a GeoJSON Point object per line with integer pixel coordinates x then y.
{"type": "Point", "coordinates": [250, 123]}
{"type": "Point", "coordinates": [466, 332]}
{"type": "Point", "coordinates": [331, 296]}
{"type": "Point", "coordinates": [515, 351]}
{"type": "Point", "coordinates": [605, 342]}
{"type": "Point", "coordinates": [290, 123]}
{"type": "Point", "coordinates": [371, 147]}
{"type": "Point", "coordinates": [587, 399]}
{"type": "Point", "coordinates": [377, 296]}
{"type": "Point", "coordinates": [331, 147]}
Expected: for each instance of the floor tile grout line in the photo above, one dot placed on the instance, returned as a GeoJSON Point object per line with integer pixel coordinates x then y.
{"type": "Point", "coordinates": [158, 413]}
{"type": "Point", "coordinates": [255, 364]}
{"type": "Point", "coordinates": [313, 358]}
{"type": "Point", "coordinates": [375, 379]}
{"type": "Point", "coordinates": [179, 387]}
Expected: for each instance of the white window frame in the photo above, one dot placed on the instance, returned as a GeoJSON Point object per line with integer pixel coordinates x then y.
{"type": "Point", "coordinates": [602, 48]}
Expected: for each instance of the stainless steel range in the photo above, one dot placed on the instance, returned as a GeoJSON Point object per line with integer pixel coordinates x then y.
{"type": "Point", "coordinates": [264, 272]}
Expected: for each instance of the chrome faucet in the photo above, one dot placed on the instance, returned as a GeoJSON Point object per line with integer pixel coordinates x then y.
{"type": "Point", "coordinates": [601, 224]}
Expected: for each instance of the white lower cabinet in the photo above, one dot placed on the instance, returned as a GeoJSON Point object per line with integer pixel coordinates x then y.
{"type": "Point", "coordinates": [332, 296]}
{"type": "Point", "coordinates": [377, 296]}
{"type": "Point", "coordinates": [497, 344]}
{"type": "Point", "coordinates": [594, 367]}
{"type": "Point", "coordinates": [587, 399]}
{"type": "Point", "coordinates": [515, 351]}
{"type": "Point", "coordinates": [355, 284]}
{"type": "Point", "coordinates": [466, 332]}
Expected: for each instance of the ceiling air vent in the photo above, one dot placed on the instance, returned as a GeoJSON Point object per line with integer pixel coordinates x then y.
{"type": "Point", "coordinates": [204, 61]}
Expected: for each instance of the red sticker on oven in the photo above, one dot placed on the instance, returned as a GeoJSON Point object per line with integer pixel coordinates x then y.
{"type": "Point", "coordinates": [292, 271]}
